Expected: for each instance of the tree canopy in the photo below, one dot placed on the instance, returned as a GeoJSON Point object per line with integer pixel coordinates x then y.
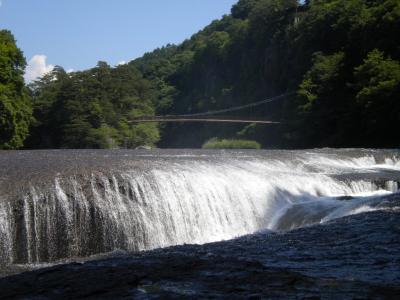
{"type": "Point", "coordinates": [92, 109]}
{"type": "Point", "coordinates": [340, 57]}
{"type": "Point", "coordinates": [15, 105]}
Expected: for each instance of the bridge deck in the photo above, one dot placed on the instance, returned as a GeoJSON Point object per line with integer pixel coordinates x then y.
{"type": "Point", "coordinates": [202, 120]}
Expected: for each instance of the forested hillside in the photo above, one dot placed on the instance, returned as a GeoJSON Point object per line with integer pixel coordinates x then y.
{"type": "Point", "coordinates": [339, 57]}
{"type": "Point", "coordinates": [92, 109]}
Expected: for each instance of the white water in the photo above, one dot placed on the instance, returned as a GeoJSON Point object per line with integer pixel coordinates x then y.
{"type": "Point", "coordinates": [178, 202]}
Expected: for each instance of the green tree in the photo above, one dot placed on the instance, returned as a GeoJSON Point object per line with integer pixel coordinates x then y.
{"type": "Point", "coordinates": [92, 109]}
{"type": "Point", "coordinates": [378, 90]}
{"type": "Point", "coordinates": [322, 80]}
{"type": "Point", "coordinates": [15, 105]}
{"type": "Point", "coordinates": [322, 106]}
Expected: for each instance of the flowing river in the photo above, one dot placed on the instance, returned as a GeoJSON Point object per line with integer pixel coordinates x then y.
{"type": "Point", "coordinates": [69, 205]}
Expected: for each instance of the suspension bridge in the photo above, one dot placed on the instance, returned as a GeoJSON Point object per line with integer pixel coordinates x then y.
{"type": "Point", "coordinates": [211, 116]}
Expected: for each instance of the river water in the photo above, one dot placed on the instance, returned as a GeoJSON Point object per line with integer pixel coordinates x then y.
{"type": "Point", "coordinates": [69, 205]}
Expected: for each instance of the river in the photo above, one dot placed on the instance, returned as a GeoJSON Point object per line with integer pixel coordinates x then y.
{"type": "Point", "coordinates": [66, 206]}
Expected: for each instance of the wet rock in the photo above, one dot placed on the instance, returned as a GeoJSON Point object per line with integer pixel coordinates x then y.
{"type": "Point", "coordinates": [345, 198]}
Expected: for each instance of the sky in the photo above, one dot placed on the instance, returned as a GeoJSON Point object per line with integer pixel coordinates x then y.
{"type": "Point", "coordinates": [76, 34]}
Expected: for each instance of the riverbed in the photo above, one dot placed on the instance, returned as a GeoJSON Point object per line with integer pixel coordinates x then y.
{"type": "Point", "coordinates": [200, 223]}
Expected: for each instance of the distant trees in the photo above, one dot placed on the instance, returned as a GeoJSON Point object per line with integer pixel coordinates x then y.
{"type": "Point", "coordinates": [15, 105]}
{"type": "Point", "coordinates": [92, 109]}
{"type": "Point", "coordinates": [378, 98]}
{"type": "Point", "coordinates": [340, 55]}
{"type": "Point", "coordinates": [322, 103]}
{"type": "Point", "coordinates": [342, 58]}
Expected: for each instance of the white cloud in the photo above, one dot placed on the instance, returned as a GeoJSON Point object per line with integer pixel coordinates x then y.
{"type": "Point", "coordinates": [70, 70]}
{"type": "Point", "coordinates": [37, 67]}
{"type": "Point", "coordinates": [122, 62]}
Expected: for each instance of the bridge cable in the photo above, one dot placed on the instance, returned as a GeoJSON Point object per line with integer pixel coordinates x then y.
{"type": "Point", "coordinates": [186, 117]}
{"type": "Point", "coordinates": [235, 108]}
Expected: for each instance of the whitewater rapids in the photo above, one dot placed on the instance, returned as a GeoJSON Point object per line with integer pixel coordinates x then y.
{"type": "Point", "coordinates": [68, 204]}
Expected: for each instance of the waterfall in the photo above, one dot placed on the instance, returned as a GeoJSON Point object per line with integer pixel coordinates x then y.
{"type": "Point", "coordinates": [177, 199]}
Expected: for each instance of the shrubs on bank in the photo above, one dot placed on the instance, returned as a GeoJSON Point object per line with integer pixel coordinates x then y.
{"type": "Point", "coordinates": [216, 143]}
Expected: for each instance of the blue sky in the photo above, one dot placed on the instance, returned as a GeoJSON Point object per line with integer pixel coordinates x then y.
{"type": "Point", "coordinates": [77, 33]}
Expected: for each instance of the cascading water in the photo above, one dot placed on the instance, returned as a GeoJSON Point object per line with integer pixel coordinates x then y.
{"type": "Point", "coordinates": [65, 204]}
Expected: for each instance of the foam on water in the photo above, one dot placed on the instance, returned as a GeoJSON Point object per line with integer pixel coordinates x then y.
{"type": "Point", "coordinates": [182, 199]}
